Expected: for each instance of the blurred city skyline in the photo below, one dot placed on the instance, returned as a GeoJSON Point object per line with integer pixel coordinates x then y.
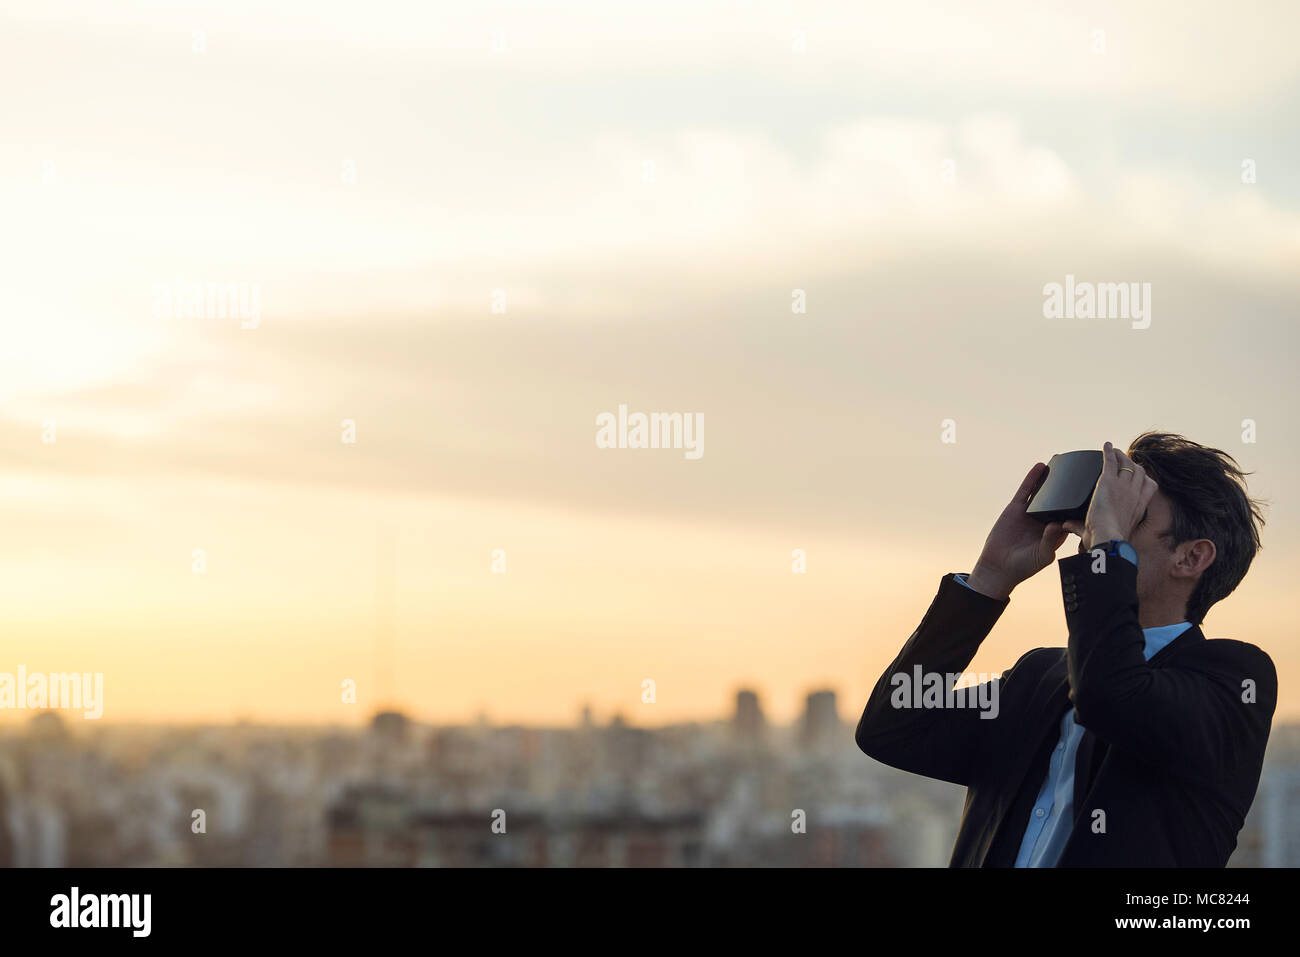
{"type": "Point", "coordinates": [736, 792]}
{"type": "Point", "coordinates": [743, 701]}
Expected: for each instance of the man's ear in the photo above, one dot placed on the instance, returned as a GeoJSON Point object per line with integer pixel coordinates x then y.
{"type": "Point", "coordinates": [1194, 558]}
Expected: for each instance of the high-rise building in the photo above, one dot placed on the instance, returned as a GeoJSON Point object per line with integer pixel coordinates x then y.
{"type": "Point", "coordinates": [821, 730]}
{"type": "Point", "coordinates": [748, 722]}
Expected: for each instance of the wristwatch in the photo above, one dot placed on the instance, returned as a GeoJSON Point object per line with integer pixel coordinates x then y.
{"type": "Point", "coordinates": [1116, 548]}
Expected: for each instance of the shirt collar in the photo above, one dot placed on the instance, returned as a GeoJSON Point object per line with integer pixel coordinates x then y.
{"type": "Point", "coordinates": [1158, 638]}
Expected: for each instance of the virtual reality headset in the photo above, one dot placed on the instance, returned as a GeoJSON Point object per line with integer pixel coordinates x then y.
{"type": "Point", "coordinates": [1066, 490]}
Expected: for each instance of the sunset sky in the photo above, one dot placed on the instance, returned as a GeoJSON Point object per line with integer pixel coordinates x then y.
{"type": "Point", "coordinates": [647, 186]}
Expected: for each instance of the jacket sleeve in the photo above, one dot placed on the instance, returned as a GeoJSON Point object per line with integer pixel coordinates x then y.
{"type": "Point", "coordinates": [944, 743]}
{"type": "Point", "coordinates": [1200, 717]}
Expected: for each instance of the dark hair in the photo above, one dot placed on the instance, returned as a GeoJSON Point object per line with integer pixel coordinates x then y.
{"type": "Point", "coordinates": [1207, 496]}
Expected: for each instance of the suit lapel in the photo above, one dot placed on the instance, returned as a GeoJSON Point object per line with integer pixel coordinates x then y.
{"type": "Point", "coordinates": [1091, 751]}
{"type": "Point", "coordinates": [1084, 767]}
{"type": "Point", "coordinates": [1042, 717]}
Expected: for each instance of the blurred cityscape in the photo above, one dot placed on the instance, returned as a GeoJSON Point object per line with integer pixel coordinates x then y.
{"type": "Point", "coordinates": [397, 793]}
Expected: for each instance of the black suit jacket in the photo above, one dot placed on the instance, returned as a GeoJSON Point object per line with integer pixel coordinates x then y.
{"type": "Point", "coordinates": [1171, 756]}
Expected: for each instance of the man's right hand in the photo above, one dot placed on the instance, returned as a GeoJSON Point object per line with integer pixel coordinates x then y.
{"type": "Point", "coordinates": [1018, 547]}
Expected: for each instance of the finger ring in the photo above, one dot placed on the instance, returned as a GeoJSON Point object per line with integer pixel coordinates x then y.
{"type": "Point", "coordinates": [1127, 469]}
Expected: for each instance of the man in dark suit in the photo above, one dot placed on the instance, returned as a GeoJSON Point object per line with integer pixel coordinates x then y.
{"type": "Point", "coordinates": [1139, 744]}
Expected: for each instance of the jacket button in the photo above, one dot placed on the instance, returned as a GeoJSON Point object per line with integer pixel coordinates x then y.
{"type": "Point", "coordinates": [1067, 577]}
{"type": "Point", "coordinates": [1071, 605]}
